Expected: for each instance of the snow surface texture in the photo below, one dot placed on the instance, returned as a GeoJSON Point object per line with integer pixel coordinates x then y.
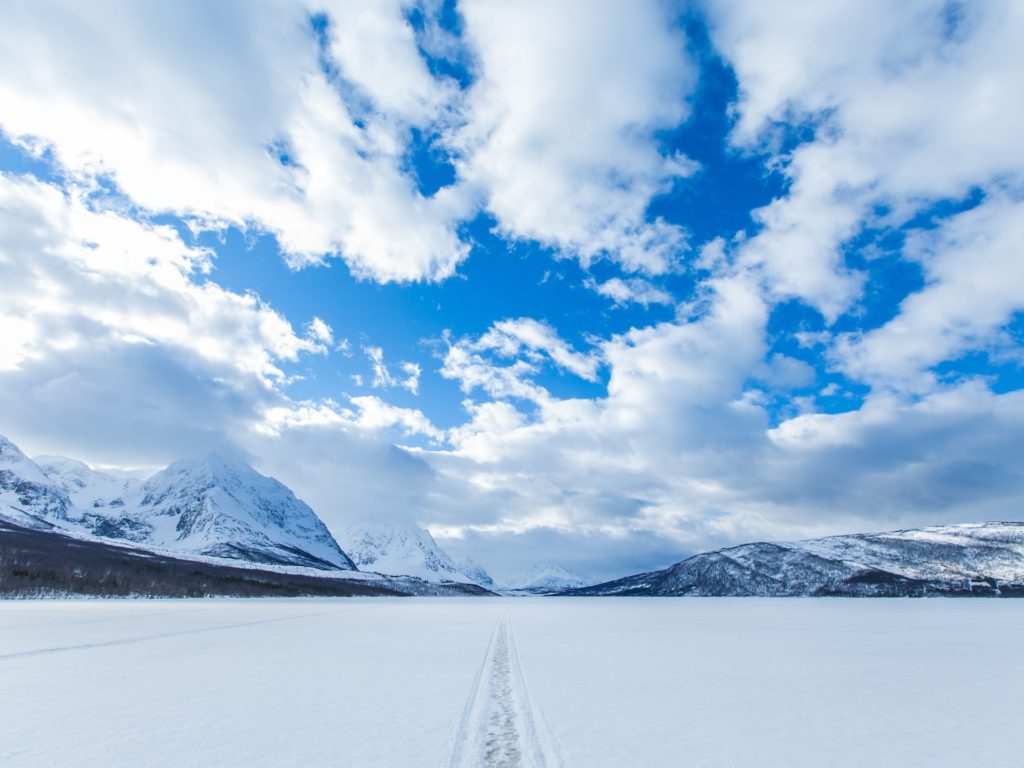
{"type": "Point", "coordinates": [398, 549]}
{"type": "Point", "coordinates": [501, 725]}
{"type": "Point", "coordinates": [982, 558]}
{"type": "Point", "coordinates": [746, 682]}
{"type": "Point", "coordinates": [214, 507]}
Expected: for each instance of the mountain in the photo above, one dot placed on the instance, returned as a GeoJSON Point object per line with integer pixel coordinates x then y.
{"type": "Point", "coordinates": [405, 549]}
{"type": "Point", "coordinates": [223, 508]}
{"type": "Point", "coordinates": [964, 559]}
{"type": "Point", "coordinates": [546, 578]}
{"type": "Point", "coordinates": [27, 495]}
{"type": "Point", "coordinates": [48, 563]}
{"type": "Point", "coordinates": [474, 572]}
{"type": "Point", "coordinates": [86, 487]}
{"type": "Point", "coordinates": [213, 508]}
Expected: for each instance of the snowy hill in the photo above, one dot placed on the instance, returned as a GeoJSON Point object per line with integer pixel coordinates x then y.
{"type": "Point", "coordinates": [970, 558]}
{"type": "Point", "coordinates": [405, 549]}
{"type": "Point", "coordinates": [212, 508]}
{"type": "Point", "coordinates": [546, 578]}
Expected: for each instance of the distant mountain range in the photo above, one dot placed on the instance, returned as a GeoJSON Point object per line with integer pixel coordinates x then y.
{"type": "Point", "coordinates": [545, 579]}
{"type": "Point", "coordinates": [226, 514]}
{"type": "Point", "coordinates": [407, 549]}
{"type": "Point", "coordinates": [954, 560]}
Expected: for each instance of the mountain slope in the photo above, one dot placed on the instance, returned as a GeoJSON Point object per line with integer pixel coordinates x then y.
{"type": "Point", "coordinates": [474, 572]}
{"type": "Point", "coordinates": [213, 508]}
{"type": "Point", "coordinates": [224, 508]}
{"type": "Point", "coordinates": [86, 487]}
{"type": "Point", "coordinates": [965, 559]}
{"type": "Point", "coordinates": [27, 495]}
{"type": "Point", "coordinates": [405, 549]}
{"type": "Point", "coordinates": [37, 563]}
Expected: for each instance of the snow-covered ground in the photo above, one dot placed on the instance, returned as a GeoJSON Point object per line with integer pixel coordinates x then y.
{"type": "Point", "coordinates": [567, 681]}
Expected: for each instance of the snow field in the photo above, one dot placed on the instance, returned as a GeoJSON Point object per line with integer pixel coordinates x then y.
{"type": "Point", "coordinates": [517, 682]}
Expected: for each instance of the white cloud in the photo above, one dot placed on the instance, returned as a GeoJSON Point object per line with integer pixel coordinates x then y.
{"type": "Point", "coordinates": [560, 124]}
{"type": "Point", "coordinates": [620, 464]}
{"type": "Point", "coordinates": [912, 104]}
{"type": "Point", "coordinates": [224, 117]}
{"type": "Point", "coordinates": [634, 290]}
{"type": "Point", "coordinates": [115, 336]}
{"type": "Point", "coordinates": [320, 332]}
{"type": "Point", "coordinates": [510, 337]}
{"type": "Point", "coordinates": [483, 363]}
{"type": "Point", "coordinates": [376, 51]}
{"type": "Point", "coordinates": [382, 376]}
{"type": "Point", "coordinates": [375, 414]}
{"type": "Point", "coordinates": [682, 452]}
{"type": "Point", "coordinates": [191, 107]}
{"type": "Point", "coordinates": [974, 274]}
{"type": "Point", "coordinates": [73, 277]}
{"type": "Point", "coordinates": [411, 381]}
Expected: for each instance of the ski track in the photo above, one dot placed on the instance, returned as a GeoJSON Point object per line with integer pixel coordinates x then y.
{"type": "Point", "coordinates": [500, 726]}
{"type": "Point", "coordinates": [162, 635]}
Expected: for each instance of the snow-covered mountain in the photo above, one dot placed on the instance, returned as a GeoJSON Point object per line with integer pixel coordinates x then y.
{"type": "Point", "coordinates": [27, 495]}
{"type": "Point", "coordinates": [474, 572]}
{"type": "Point", "coordinates": [970, 558]}
{"type": "Point", "coordinates": [405, 549]}
{"type": "Point", "coordinates": [86, 487]}
{"type": "Point", "coordinates": [225, 508]}
{"type": "Point", "coordinates": [214, 507]}
{"type": "Point", "coordinates": [546, 578]}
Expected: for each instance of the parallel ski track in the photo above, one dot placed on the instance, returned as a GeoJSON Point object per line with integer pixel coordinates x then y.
{"type": "Point", "coordinates": [500, 726]}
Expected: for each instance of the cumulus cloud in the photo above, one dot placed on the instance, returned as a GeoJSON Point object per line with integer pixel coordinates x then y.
{"type": "Point", "coordinates": [299, 121]}
{"type": "Point", "coordinates": [634, 290]}
{"type": "Point", "coordinates": [504, 361]}
{"type": "Point", "coordinates": [98, 309]}
{"type": "Point", "coordinates": [974, 276]}
{"type": "Point", "coordinates": [907, 105]}
{"type": "Point", "coordinates": [321, 332]}
{"type": "Point", "coordinates": [382, 376]}
{"type": "Point", "coordinates": [225, 116]}
{"type": "Point", "coordinates": [560, 123]}
{"type": "Point", "coordinates": [411, 382]}
{"type": "Point", "coordinates": [74, 276]}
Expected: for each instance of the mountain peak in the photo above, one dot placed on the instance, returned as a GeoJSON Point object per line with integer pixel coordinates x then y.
{"type": "Point", "coordinates": [547, 577]}
{"type": "Point", "coordinates": [404, 549]}
{"type": "Point", "coordinates": [223, 507]}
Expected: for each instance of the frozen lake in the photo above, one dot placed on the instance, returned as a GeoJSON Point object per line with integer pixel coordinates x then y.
{"type": "Point", "coordinates": [557, 681]}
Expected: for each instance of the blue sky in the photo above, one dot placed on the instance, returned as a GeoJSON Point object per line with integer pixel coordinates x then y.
{"type": "Point", "coordinates": [598, 284]}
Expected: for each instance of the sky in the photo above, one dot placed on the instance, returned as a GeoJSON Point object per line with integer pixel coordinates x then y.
{"type": "Point", "coordinates": [590, 282]}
